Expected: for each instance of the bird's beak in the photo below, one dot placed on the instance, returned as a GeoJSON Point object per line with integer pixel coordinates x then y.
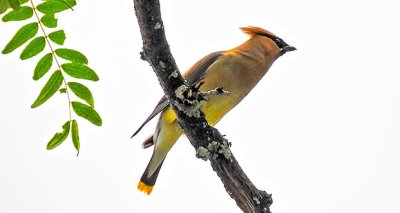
{"type": "Point", "coordinates": [288, 48]}
{"type": "Point", "coordinates": [285, 49]}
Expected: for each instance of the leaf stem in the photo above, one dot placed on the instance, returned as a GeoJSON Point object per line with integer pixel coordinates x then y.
{"type": "Point", "coordinates": [55, 59]}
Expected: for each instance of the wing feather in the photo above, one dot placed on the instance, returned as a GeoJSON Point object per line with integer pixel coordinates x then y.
{"type": "Point", "coordinates": [196, 73]}
{"type": "Point", "coordinates": [161, 106]}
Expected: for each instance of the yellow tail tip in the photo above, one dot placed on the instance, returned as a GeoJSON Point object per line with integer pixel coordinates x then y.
{"type": "Point", "coordinates": [144, 188]}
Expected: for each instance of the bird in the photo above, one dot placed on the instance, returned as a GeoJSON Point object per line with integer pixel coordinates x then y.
{"type": "Point", "coordinates": [237, 71]}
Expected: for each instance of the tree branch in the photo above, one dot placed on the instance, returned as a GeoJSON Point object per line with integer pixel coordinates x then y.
{"type": "Point", "coordinates": [207, 141]}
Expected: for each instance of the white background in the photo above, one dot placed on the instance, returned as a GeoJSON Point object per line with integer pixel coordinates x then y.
{"type": "Point", "coordinates": [320, 132]}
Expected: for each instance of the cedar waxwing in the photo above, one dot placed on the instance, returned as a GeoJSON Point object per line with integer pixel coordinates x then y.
{"type": "Point", "coordinates": [237, 71]}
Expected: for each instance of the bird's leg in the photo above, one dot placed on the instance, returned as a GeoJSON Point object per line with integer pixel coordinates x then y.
{"type": "Point", "coordinates": [194, 93]}
{"type": "Point", "coordinates": [217, 91]}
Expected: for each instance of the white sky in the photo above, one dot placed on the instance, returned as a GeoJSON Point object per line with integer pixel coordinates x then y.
{"type": "Point", "coordinates": [320, 132]}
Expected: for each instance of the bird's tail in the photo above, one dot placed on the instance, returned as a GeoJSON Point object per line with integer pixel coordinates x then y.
{"type": "Point", "coordinates": [146, 182]}
{"type": "Point", "coordinates": [163, 140]}
{"type": "Point", "coordinates": [150, 175]}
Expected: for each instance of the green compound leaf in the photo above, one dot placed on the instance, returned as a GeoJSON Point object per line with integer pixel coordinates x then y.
{"type": "Point", "coordinates": [51, 87]}
{"type": "Point", "coordinates": [33, 48]}
{"type": "Point", "coordinates": [3, 6]}
{"type": "Point", "coordinates": [55, 6]}
{"type": "Point", "coordinates": [23, 35]}
{"type": "Point", "coordinates": [87, 112]}
{"type": "Point", "coordinates": [82, 92]}
{"type": "Point", "coordinates": [57, 37]}
{"type": "Point", "coordinates": [43, 66]}
{"type": "Point", "coordinates": [71, 55]}
{"type": "Point", "coordinates": [18, 15]}
{"type": "Point", "coordinates": [69, 3]}
{"type": "Point", "coordinates": [75, 136]}
{"type": "Point", "coordinates": [81, 71]}
{"type": "Point", "coordinates": [59, 137]}
{"type": "Point", "coordinates": [49, 21]}
{"type": "Point", "coordinates": [14, 4]}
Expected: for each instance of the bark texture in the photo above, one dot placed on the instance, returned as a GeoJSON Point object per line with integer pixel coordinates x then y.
{"type": "Point", "coordinates": [208, 142]}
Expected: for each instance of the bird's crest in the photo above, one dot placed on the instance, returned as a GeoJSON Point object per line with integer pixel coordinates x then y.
{"type": "Point", "coordinates": [252, 31]}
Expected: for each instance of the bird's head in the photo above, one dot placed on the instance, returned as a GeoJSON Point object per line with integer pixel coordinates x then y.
{"type": "Point", "coordinates": [280, 43]}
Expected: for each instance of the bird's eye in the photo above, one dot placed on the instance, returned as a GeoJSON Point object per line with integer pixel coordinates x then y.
{"type": "Point", "coordinates": [279, 42]}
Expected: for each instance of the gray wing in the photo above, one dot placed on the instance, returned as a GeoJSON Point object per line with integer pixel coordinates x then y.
{"type": "Point", "coordinates": [161, 106]}
{"type": "Point", "coordinates": [198, 71]}
{"type": "Point", "coordinates": [192, 76]}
